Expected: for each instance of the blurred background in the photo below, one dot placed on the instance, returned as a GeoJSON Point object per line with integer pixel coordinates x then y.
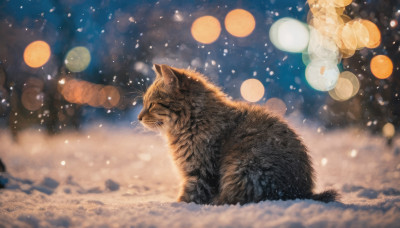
{"type": "Point", "coordinates": [68, 64]}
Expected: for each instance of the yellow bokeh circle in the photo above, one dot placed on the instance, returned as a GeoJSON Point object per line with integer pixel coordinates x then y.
{"type": "Point", "coordinates": [77, 59]}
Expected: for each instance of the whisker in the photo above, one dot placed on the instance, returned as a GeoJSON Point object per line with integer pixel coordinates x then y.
{"type": "Point", "coordinates": [134, 93]}
{"type": "Point", "coordinates": [135, 123]}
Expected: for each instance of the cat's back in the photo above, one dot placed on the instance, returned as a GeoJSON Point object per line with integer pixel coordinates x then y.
{"type": "Point", "coordinates": [265, 155]}
{"type": "Point", "coordinates": [261, 128]}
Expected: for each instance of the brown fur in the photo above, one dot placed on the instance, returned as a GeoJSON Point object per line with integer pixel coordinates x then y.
{"type": "Point", "coordinates": [227, 152]}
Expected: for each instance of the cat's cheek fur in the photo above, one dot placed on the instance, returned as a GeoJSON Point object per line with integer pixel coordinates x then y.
{"type": "Point", "coordinates": [157, 123]}
{"type": "Point", "coordinates": [148, 125]}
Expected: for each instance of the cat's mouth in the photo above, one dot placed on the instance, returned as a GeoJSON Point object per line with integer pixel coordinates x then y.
{"type": "Point", "coordinates": [153, 125]}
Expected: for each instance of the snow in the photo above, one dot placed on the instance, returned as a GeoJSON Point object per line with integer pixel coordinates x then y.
{"type": "Point", "coordinates": [119, 177]}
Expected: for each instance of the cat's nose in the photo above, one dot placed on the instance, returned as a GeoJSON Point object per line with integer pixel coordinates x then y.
{"type": "Point", "coordinates": [140, 116]}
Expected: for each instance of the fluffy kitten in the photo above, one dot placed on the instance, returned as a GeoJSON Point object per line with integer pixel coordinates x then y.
{"type": "Point", "coordinates": [227, 152]}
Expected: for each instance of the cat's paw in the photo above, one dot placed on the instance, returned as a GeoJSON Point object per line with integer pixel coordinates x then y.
{"type": "Point", "coordinates": [216, 201]}
{"type": "Point", "coordinates": [184, 198]}
{"type": "Point", "coordinates": [193, 198]}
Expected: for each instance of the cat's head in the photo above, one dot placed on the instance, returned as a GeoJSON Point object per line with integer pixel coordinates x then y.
{"type": "Point", "coordinates": [165, 102]}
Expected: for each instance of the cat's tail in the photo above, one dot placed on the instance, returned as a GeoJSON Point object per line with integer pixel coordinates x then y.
{"type": "Point", "coordinates": [326, 196]}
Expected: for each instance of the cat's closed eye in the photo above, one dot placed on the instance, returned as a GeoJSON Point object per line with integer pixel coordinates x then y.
{"type": "Point", "coordinates": [152, 105]}
{"type": "Point", "coordinates": [164, 105]}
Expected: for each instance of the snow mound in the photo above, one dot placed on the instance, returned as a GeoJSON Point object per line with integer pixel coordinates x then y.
{"type": "Point", "coordinates": [107, 177]}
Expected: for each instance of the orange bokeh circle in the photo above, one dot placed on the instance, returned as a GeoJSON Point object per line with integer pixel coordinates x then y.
{"type": "Point", "coordinates": [206, 29]}
{"type": "Point", "coordinates": [37, 54]}
{"type": "Point", "coordinates": [381, 66]}
{"type": "Point", "coordinates": [240, 23]}
{"type": "Point", "coordinates": [374, 34]}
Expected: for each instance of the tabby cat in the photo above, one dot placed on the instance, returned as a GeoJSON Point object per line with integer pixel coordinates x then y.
{"type": "Point", "coordinates": [227, 152]}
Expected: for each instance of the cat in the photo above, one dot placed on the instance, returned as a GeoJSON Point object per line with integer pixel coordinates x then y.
{"type": "Point", "coordinates": [227, 152]}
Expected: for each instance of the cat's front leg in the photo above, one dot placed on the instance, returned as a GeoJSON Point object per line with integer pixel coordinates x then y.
{"type": "Point", "coordinates": [197, 190]}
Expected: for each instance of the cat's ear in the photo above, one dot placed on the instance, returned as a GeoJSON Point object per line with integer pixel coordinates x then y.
{"type": "Point", "coordinates": [157, 69]}
{"type": "Point", "coordinates": [170, 78]}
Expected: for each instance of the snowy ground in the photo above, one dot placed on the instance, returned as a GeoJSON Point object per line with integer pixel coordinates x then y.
{"type": "Point", "coordinates": [119, 177]}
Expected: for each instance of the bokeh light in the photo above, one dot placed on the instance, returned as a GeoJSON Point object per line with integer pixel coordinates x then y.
{"type": "Point", "coordinates": [252, 90]}
{"type": "Point", "coordinates": [206, 29]}
{"type": "Point", "coordinates": [322, 75]}
{"type": "Point", "coordinates": [32, 97]}
{"type": "Point", "coordinates": [240, 23]}
{"type": "Point", "coordinates": [361, 33]}
{"type": "Point", "coordinates": [373, 33]}
{"type": "Point", "coordinates": [276, 105]}
{"type": "Point", "coordinates": [342, 90]}
{"type": "Point", "coordinates": [77, 59]}
{"type": "Point", "coordinates": [346, 40]}
{"type": "Point", "coordinates": [289, 35]}
{"type": "Point", "coordinates": [381, 66]}
{"type": "Point", "coordinates": [37, 54]}
{"type": "Point", "coordinates": [112, 96]}
{"type": "Point", "coordinates": [355, 35]}
{"type": "Point", "coordinates": [341, 3]}
{"type": "Point", "coordinates": [322, 48]}
{"type": "Point", "coordinates": [388, 130]}
{"type": "Point", "coordinates": [305, 57]}
{"type": "Point", "coordinates": [68, 90]}
{"type": "Point", "coordinates": [353, 153]}
{"type": "Point", "coordinates": [317, 5]}
{"type": "Point", "coordinates": [324, 161]}
{"type": "Point", "coordinates": [327, 23]}
{"type": "Point", "coordinates": [325, 20]}
{"type": "Point", "coordinates": [87, 92]}
{"type": "Point", "coordinates": [346, 87]}
{"type": "Point", "coordinates": [328, 18]}
{"type": "Point", "coordinates": [95, 95]}
{"type": "Point", "coordinates": [393, 23]}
